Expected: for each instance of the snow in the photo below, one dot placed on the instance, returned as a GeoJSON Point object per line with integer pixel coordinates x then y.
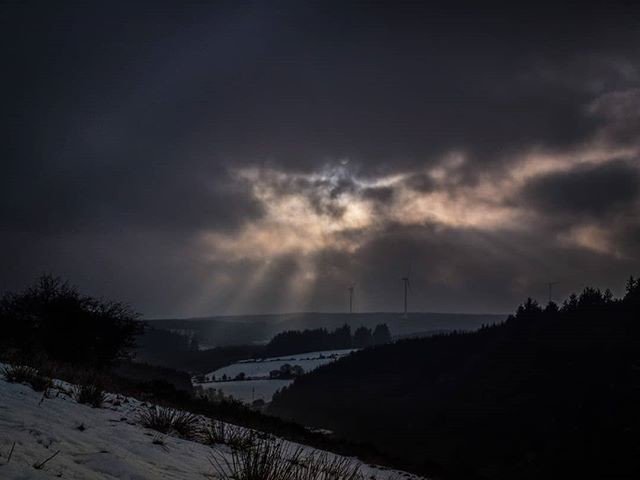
{"type": "Point", "coordinates": [257, 384]}
{"type": "Point", "coordinates": [260, 368]}
{"type": "Point", "coordinates": [109, 445]}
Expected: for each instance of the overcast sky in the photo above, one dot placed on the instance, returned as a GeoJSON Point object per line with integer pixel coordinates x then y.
{"type": "Point", "coordinates": [196, 159]}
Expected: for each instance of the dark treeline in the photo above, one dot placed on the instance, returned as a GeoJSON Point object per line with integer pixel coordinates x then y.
{"type": "Point", "coordinates": [176, 350]}
{"type": "Point", "coordinates": [157, 348]}
{"type": "Point", "coordinates": [155, 344]}
{"type": "Point", "coordinates": [300, 341]}
{"type": "Point", "coordinates": [553, 392]}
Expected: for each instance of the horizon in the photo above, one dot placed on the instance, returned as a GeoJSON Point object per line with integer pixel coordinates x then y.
{"type": "Point", "coordinates": [399, 313]}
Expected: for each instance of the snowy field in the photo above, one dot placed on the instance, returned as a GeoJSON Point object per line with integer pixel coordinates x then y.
{"type": "Point", "coordinates": [104, 443]}
{"type": "Point", "coordinates": [258, 385]}
{"type": "Point", "coordinates": [260, 368]}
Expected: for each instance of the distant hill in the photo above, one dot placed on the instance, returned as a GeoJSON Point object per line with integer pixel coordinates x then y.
{"type": "Point", "coordinates": [259, 329]}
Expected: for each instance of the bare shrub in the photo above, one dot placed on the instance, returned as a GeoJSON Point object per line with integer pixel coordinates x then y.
{"type": "Point", "coordinates": [170, 421]}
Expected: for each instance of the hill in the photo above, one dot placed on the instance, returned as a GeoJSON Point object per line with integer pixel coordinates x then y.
{"type": "Point", "coordinates": [550, 393]}
{"type": "Point", "coordinates": [259, 329]}
{"type": "Point", "coordinates": [51, 434]}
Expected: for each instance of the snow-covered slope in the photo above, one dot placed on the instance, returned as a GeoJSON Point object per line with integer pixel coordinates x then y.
{"type": "Point", "coordinates": [104, 443]}
{"type": "Point", "coordinates": [261, 368]}
{"type": "Point", "coordinates": [93, 443]}
{"type": "Point", "coordinates": [257, 384]}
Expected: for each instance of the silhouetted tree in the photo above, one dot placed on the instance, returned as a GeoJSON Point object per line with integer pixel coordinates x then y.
{"type": "Point", "coordinates": [552, 307]}
{"type": "Point", "coordinates": [528, 309]}
{"type": "Point", "coordinates": [381, 335]}
{"type": "Point", "coordinates": [53, 319]}
{"type": "Point", "coordinates": [570, 304]}
{"type": "Point", "coordinates": [341, 337]}
{"type": "Point", "coordinates": [362, 337]}
{"type": "Point", "coordinates": [632, 296]}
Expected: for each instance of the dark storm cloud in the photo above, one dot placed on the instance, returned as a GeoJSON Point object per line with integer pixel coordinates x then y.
{"type": "Point", "coordinates": [421, 183]}
{"type": "Point", "coordinates": [89, 200]}
{"type": "Point", "coordinates": [591, 191]}
{"type": "Point", "coordinates": [126, 124]}
{"type": "Point", "coordinates": [378, 194]}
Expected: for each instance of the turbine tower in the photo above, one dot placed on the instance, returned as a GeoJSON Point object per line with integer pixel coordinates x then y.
{"type": "Point", "coordinates": [351, 298]}
{"type": "Point", "coordinates": [407, 287]}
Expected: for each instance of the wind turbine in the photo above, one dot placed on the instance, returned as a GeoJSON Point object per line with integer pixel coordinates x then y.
{"type": "Point", "coordinates": [407, 287]}
{"type": "Point", "coordinates": [351, 288]}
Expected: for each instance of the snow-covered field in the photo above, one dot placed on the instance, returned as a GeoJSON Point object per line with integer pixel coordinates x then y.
{"type": "Point", "coordinates": [104, 443]}
{"type": "Point", "coordinates": [258, 385]}
{"type": "Point", "coordinates": [260, 368]}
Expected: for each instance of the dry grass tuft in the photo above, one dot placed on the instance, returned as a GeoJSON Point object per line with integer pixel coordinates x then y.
{"type": "Point", "coordinates": [26, 375]}
{"type": "Point", "coordinates": [170, 421]}
{"type": "Point", "coordinates": [270, 459]}
{"type": "Point", "coordinates": [89, 394]}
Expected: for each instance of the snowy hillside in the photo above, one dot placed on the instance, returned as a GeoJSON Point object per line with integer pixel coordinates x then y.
{"type": "Point", "coordinates": [260, 368]}
{"type": "Point", "coordinates": [100, 443]}
{"type": "Point", "coordinates": [257, 384]}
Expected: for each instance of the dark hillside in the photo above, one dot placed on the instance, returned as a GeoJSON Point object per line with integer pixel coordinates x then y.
{"type": "Point", "coordinates": [550, 393]}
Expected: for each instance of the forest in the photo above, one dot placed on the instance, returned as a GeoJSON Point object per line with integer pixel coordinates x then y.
{"type": "Point", "coordinates": [300, 341]}
{"type": "Point", "coordinates": [172, 349]}
{"type": "Point", "coordinates": [553, 392]}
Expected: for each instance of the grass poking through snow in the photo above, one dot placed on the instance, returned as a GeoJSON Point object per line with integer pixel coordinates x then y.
{"type": "Point", "coordinates": [270, 459]}
{"type": "Point", "coordinates": [89, 394]}
{"type": "Point", "coordinates": [27, 375]}
{"type": "Point", "coordinates": [170, 421]}
{"type": "Point", "coordinates": [218, 432]}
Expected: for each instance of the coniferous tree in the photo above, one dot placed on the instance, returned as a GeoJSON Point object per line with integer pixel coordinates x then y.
{"type": "Point", "coordinates": [381, 335]}
{"type": "Point", "coordinates": [362, 337]}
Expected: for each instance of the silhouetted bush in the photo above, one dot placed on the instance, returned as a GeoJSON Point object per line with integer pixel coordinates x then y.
{"type": "Point", "coordinates": [52, 319]}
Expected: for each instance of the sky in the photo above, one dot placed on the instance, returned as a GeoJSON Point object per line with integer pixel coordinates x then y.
{"type": "Point", "coordinates": [208, 158]}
